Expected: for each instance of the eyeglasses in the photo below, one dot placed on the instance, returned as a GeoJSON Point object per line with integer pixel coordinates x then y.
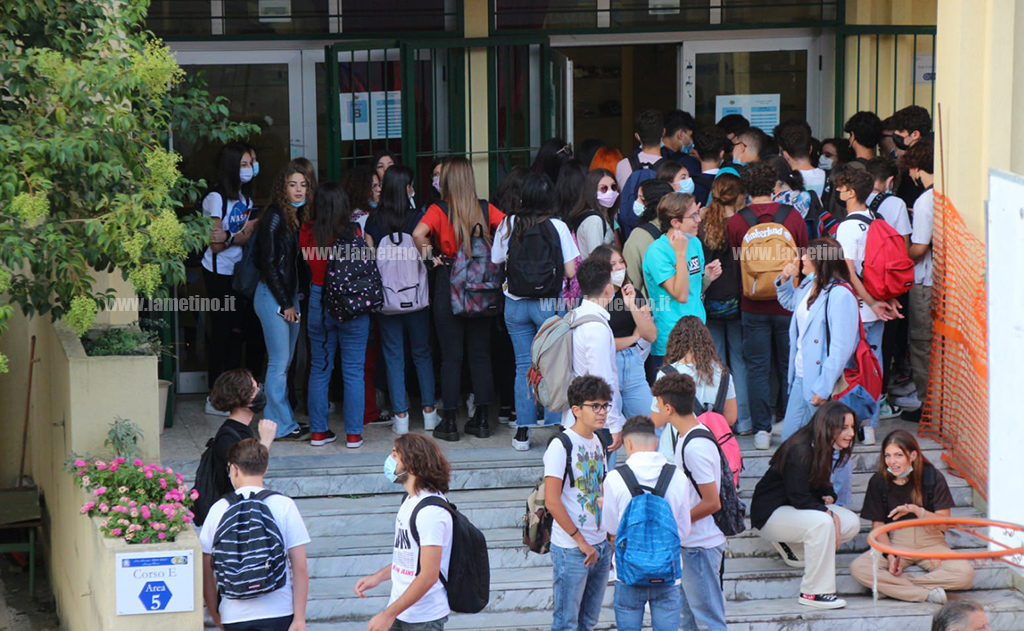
{"type": "Point", "coordinates": [605, 189]}
{"type": "Point", "coordinates": [598, 408]}
{"type": "Point", "coordinates": [695, 216]}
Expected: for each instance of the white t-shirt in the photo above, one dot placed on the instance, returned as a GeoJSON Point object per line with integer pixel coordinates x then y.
{"type": "Point", "coordinates": [814, 180]}
{"type": "Point", "coordinates": [705, 466]}
{"type": "Point", "coordinates": [646, 466]}
{"type": "Point", "coordinates": [853, 235]}
{"type": "Point", "coordinates": [706, 394]}
{"type": "Point", "coordinates": [434, 525]}
{"type": "Point", "coordinates": [894, 211]}
{"type": "Point", "coordinates": [499, 247]}
{"type": "Point", "coordinates": [593, 232]}
{"type": "Point", "coordinates": [924, 222]}
{"type": "Point", "coordinates": [278, 603]}
{"type": "Point", "coordinates": [579, 499]}
{"type": "Point", "coordinates": [237, 214]}
{"type": "Point", "coordinates": [623, 169]}
{"type": "Point", "coordinates": [801, 313]}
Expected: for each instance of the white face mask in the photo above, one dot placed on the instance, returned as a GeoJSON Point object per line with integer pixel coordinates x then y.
{"type": "Point", "coordinates": [607, 198]}
{"type": "Point", "coordinates": [638, 207]}
{"type": "Point", "coordinates": [825, 163]}
{"type": "Point", "coordinates": [618, 277]}
{"type": "Point", "coordinates": [245, 174]}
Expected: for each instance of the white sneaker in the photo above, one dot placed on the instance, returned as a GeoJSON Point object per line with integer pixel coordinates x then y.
{"type": "Point", "coordinates": [214, 411]}
{"type": "Point", "coordinates": [401, 425]}
{"type": "Point", "coordinates": [888, 410]}
{"type": "Point", "coordinates": [762, 440]}
{"type": "Point", "coordinates": [522, 445]}
{"type": "Point", "coordinates": [430, 420]}
{"type": "Point", "coordinates": [471, 405]}
{"type": "Point", "coordinates": [909, 402]}
{"type": "Point", "coordinates": [937, 595]}
{"type": "Point", "coordinates": [869, 436]}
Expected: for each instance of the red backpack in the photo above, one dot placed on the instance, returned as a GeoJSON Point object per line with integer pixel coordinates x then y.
{"type": "Point", "coordinates": [866, 372]}
{"type": "Point", "coordinates": [888, 270]}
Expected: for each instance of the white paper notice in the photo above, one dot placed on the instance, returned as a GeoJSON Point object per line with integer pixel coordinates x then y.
{"type": "Point", "coordinates": [155, 582]}
{"type": "Point", "coordinates": [762, 110]}
{"type": "Point", "coordinates": [366, 115]}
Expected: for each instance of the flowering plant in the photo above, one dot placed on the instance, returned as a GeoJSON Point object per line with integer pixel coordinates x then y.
{"type": "Point", "coordinates": [141, 503]}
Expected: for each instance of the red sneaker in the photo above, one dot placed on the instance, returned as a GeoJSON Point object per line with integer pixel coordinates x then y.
{"type": "Point", "coordinates": [322, 438]}
{"type": "Point", "coordinates": [355, 441]}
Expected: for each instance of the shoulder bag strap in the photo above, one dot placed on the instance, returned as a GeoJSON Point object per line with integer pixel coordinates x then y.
{"type": "Point", "coordinates": [667, 471]}
{"type": "Point", "coordinates": [723, 389]}
{"type": "Point", "coordinates": [630, 479]}
{"type": "Point", "coordinates": [749, 216]}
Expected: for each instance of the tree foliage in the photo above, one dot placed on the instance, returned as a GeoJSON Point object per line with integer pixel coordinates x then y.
{"type": "Point", "coordinates": [88, 102]}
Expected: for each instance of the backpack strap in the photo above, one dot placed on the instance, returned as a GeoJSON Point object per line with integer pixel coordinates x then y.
{"type": "Point", "coordinates": [879, 199]}
{"type": "Point", "coordinates": [634, 162]}
{"type": "Point", "coordinates": [781, 214]}
{"type": "Point", "coordinates": [723, 390]}
{"type": "Point", "coordinates": [430, 500]}
{"type": "Point", "coordinates": [749, 216]}
{"type": "Point", "coordinates": [700, 432]}
{"type": "Point", "coordinates": [264, 494]}
{"type": "Point", "coordinates": [651, 229]}
{"type": "Point", "coordinates": [861, 218]}
{"type": "Point", "coordinates": [630, 479]}
{"type": "Point", "coordinates": [567, 444]}
{"type": "Point", "coordinates": [667, 471]}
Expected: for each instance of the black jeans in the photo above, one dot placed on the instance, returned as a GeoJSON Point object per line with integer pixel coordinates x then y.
{"type": "Point", "coordinates": [895, 343]}
{"type": "Point", "coordinates": [267, 624]}
{"type": "Point", "coordinates": [765, 343]}
{"type": "Point", "coordinates": [456, 335]}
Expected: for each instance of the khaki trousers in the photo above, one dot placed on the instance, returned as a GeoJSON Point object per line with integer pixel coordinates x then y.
{"type": "Point", "coordinates": [920, 345]}
{"type": "Point", "coordinates": [811, 534]}
{"type": "Point", "coordinates": [913, 586]}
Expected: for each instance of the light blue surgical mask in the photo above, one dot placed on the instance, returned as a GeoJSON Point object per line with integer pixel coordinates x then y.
{"type": "Point", "coordinates": [825, 163]}
{"type": "Point", "coordinates": [373, 205]}
{"type": "Point", "coordinates": [687, 148]}
{"type": "Point", "coordinates": [390, 469]}
{"type": "Point", "coordinates": [255, 169]}
{"type": "Point", "coordinates": [245, 174]}
{"type": "Point", "coordinates": [901, 475]}
{"type": "Point", "coordinates": [686, 186]}
{"type": "Point", "coordinates": [738, 164]}
{"type": "Point", "coordinates": [638, 207]}
{"type": "Point", "coordinates": [299, 204]}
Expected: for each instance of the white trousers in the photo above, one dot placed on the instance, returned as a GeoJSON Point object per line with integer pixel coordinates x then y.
{"type": "Point", "coordinates": [811, 534]}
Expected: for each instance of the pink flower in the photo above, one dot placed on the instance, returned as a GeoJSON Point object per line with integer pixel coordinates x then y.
{"type": "Point", "coordinates": [88, 506]}
{"type": "Point", "coordinates": [194, 495]}
{"type": "Point", "coordinates": [163, 483]}
{"type": "Point", "coordinates": [161, 535]}
{"type": "Point", "coordinates": [86, 481]}
{"type": "Point", "coordinates": [113, 467]}
{"type": "Point", "coordinates": [135, 512]}
{"type": "Point", "coordinates": [115, 531]}
{"type": "Point", "coordinates": [137, 462]}
{"type": "Point", "coordinates": [145, 512]}
{"type": "Point", "coordinates": [101, 465]}
{"type": "Point", "coordinates": [149, 475]}
{"type": "Point", "coordinates": [129, 535]}
{"type": "Point", "coordinates": [119, 460]}
{"type": "Point", "coordinates": [100, 491]}
{"type": "Point", "coordinates": [145, 540]}
{"type": "Point", "coordinates": [133, 503]}
{"type": "Point", "coordinates": [104, 509]}
{"type": "Point", "coordinates": [79, 463]}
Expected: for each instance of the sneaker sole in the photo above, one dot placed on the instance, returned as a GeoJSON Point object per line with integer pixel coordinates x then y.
{"type": "Point", "coordinates": [452, 438]}
{"type": "Point", "coordinates": [321, 443]}
{"type": "Point", "coordinates": [893, 413]}
{"type": "Point", "coordinates": [354, 445]}
{"type": "Point", "coordinates": [518, 446]}
{"type": "Point", "coordinates": [820, 604]}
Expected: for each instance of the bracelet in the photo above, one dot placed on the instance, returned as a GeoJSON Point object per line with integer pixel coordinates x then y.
{"type": "Point", "coordinates": [574, 533]}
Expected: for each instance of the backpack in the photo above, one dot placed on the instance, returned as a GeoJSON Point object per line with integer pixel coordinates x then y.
{"type": "Point", "coordinates": [728, 518]}
{"type": "Point", "coordinates": [534, 268]}
{"type": "Point", "coordinates": [247, 270]}
{"type": "Point", "coordinates": [468, 583]}
{"type": "Point", "coordinates": [537, 522]}
{"type": "Point", "coordinates": [860, 385]}
{"type": "Point", "coordinates": [571, 296]}
{"type": "Point", "coordinates": [814, 213]}
{"type": "Point", "coordinates": [403, 275]}
{"type": "Point", "coordinates": [888, 269]}
{"type": "Point", "coordinates": [711, 417]}
{"type": "Point", "coordinates": [249, 555]}
{"type": "Point", "coordinates": [642, 171]}
{"type": "Point", "coordinates": [876, 203]}
{"type": "Point", "coordinates": [647, 541]}
{"type": "Point", "coordinates": [551, 359]}
{"type": "Point", "coordinates": [475, 280]}
{"type": "Point", "coordinates": [352, 284]}
{"type": "Point", "coordinates": [206, 479]}
{"type": "Point", "coordinates": [765, 250]}
{"type": "Point", "coordinates": [651, 229]}
{"type": "Point", "coordinates": [927, 489]}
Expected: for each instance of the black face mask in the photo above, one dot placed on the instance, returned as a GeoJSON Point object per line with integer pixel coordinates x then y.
{"type": "Point", "coordinates": [900, 142]}
{"type": "Point", "coordinates": [259, 402]}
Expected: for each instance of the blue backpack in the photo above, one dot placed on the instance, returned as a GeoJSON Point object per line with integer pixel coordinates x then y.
{"type": "Point", "coordinates": [642, 171]}
{"type": "Point", "coordinates": [647, 542]}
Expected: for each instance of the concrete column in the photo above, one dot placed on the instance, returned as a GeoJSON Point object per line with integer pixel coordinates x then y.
{"type": "Point", "coordinates": [475, 19]}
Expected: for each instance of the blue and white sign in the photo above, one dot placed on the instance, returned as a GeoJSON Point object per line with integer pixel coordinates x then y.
{"type": "Point", "coordinates": [155, 582]}
{"type": "Point", "coordinates": [375, 115]}
{"type": "Point", "coordinates": [762, 110]}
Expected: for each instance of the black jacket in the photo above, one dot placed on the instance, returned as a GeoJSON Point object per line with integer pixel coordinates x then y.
{"type": "Point", "coordinates": [789, 488]}
{"type": "Point", "coordinates": [278, 256]}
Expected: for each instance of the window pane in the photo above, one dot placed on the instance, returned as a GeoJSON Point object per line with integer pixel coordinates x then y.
{"type": "Point", "coordinates": [179, 18]}
{"type": "Point", "coordinates": [772, 72]}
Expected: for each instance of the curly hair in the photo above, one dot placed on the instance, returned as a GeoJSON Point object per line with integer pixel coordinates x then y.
{"type": "Point", "coordinates": [233, 389]}
{"type": "Point", "coordinates": [279, 194]}
{"type": "Point", "coordinates": [690, 337]}
{"type": "Point", "coordinates": [422, 457]}
{"type": "Point", "coordinates": [727, 190]}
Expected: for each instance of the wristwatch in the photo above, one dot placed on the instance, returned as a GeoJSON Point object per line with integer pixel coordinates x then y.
{"type": "Point", "coordinates": [231, 237]}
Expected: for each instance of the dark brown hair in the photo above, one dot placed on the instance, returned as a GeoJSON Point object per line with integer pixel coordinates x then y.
{"type": "Point", "coordinates": [727, 190]}
{"type": "Point", "coordinates": [907, 444]}
{"type": "Point", "coordinates": [422, 457]}
{"type": "Point", "coordinates": [250, 456]}
{"type": "Point", "coordinates": [279, 195]}
{"type": "Point", "coordinates": [689, 335]}
{"type": "Point", "coordinates": [829, 266]}
{"type": "Point", "coordinates": [856, 179]}
{"type": "Point", "coordinates": [820, 433]}
{"type": "Point", "coordinates": [677, 390]}
{"type": "Point", "coordinates": [920, 156]}
{"type": "Point", "coordinates": [233, 389]}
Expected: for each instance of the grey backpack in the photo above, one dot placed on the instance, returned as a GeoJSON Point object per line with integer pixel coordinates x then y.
{"type": "Point", "coordinates": [402, 274]}
{"type": "Point", "coordinates": [551, 359]}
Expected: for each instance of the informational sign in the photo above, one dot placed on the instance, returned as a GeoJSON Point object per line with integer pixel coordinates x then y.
{"type": "Point", "coordinates": [366, 115]}
{"type": "Point", "coordinates": [663, 7]}
{"type": "Point", "coordinates": [762, 110]}
{"type": "Point", "coordinates": [155, 582]}
{"type": "Point", "coordinates": [275, 11]}
{"type": "Point", "coordinates": [924, 68]}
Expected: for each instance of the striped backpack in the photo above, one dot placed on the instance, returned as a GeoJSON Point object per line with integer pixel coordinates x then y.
{"type": "Point", "coordinates": [249, 557]}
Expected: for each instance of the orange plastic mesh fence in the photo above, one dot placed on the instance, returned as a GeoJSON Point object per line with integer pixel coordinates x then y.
{"type": "Point", "coordinates": [956, 409]}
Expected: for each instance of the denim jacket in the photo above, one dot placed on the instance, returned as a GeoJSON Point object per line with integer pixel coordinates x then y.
{"type": "Point", "coordinates": [822, 365]}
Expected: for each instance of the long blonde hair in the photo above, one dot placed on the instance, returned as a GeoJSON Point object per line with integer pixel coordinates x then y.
{"type": "Point", "coordinates": [458, 187]}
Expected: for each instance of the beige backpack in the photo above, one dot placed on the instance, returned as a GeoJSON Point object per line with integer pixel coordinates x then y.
{"type": "Point", "coordinates": [765, 250]}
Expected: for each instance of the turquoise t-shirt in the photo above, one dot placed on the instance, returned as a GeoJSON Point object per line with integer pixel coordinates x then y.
{"type": "Point", "coordinates": [659, 266]}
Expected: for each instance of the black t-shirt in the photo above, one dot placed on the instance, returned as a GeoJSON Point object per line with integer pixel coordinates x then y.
{"type": "Point", "coordinates": [621, 320]}
{"type": "Point", "coordinates": [230, 433]}
{"type": "Point", "coordinates": [728, 285]}
{"type": "Point", "coordinates": [901, 494]}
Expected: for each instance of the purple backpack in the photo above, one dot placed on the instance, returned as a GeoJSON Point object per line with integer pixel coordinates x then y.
{"type": "Point", "coordinates": [475, 280]}
{"type": "Point", "coordinates": [352, 284]}
{"type": "Point", "coordinates": [402, 274]}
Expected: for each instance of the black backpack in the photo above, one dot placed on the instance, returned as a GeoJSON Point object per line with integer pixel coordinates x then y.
{"type": "Point", "coordinates": [249, 554]}
{"type": "Point", "coordinates": [728, 518]}
{"type": "Point", "coordinates": [247, 269]}
{"type": "Point", "coordinates": [206, 478]}
{"type": "Point", "coordinates": [468, 583]}
{"type": "Point", "coordinates": [534, 268]}
{"type": "Point", "coordinates": [352, 283]}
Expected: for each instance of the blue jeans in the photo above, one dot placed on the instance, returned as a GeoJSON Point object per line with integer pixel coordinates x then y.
{"type": "Point", "coordinates": [523, 318]}
{"type": "Point", "coordinates": [728, 338]}
{"type": "Point", "coordinates": [765, 343]}
{"type": "Point", "coordinates": [873, 331]}
{"type": "Point", "coordinates": [280, 337]}
{"type": "Point", "coordinates": [666, 606]}
{"type": "Point", "coordinates": [703, 599]}
{"type": "Point", "coordinates": [325, 335]}
{"type": "Point", "coordinates": [634, 392]}
{"type": "Point", "coordinates": [579, 590]}
{"type": "Point", "coordinates": [842, 480]}
{"type": "Point", "coordinates": [392, 337]}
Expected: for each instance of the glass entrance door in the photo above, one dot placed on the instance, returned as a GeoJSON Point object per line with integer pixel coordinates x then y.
{"type": "Point", "coordinates": [766, 80]}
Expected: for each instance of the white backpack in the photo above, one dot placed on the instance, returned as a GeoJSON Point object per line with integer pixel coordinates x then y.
{"type": "Point", "coordinates": [403, 274]}
{"type": "Point", "coordinates": [551, 359]}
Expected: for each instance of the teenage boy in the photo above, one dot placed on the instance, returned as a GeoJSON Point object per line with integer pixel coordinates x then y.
{"type": "Point", "coordinates": [794, 138]}
{"type": "Point", "coordinates": [704, 547]}
{"type": "Point", "coordinates": [711, 146]}
{"type": "Point", "coordinates": [283, 609]}
{"type": "Point", "coordinates": [883, 173]}
{"type": "Point", "coordinates": [648, 129]}
{"type": "Point", "coordinates": [580, 552]}
{"type": "Point", "coordinates": [593, 343]}
{"type": "Point", "coordinates": [865, 130]}
{"type": "Point", "coordinates": [677, 143]}
{"type": "Point", "coordinates": [917, 162]}
{"type": "Point", "coordinates": [419, 601]}
{"type": "Point", "coordinates": [749, 146]}
{"type": "Point", "coordinates": [646, 465]}
{"type": "Point", "coordinates": [765, 322]}
{"type": "Point", "coordinates": [910, 125]}
{"type": "Point", "coordinates": [732, 124]}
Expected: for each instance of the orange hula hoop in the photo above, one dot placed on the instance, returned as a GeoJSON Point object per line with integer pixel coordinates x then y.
{"type": "Point", "coordinates": [962, 524]}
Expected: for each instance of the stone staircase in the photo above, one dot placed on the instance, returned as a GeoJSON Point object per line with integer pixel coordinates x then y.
{"type": "Point", "coordinates": [349, 509]}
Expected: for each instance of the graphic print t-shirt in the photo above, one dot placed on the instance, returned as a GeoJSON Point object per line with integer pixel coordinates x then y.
{"type": "Point", "coordinates": [236, 213]}
{"type": "Point", "coordinates": [580, 498]}
{"type": "Point", "coordinates": [434, 525]}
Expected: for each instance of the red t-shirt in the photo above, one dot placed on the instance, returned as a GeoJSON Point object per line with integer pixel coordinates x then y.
{"type": "Point", "coordinates": [738, 226]}
{"type": "Point", "coordinates": [315, 255]}
{"type": "Point", "coordinates": [443, 234]}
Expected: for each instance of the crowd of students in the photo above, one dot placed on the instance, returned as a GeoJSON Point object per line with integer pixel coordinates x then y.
{"type": "Point", "coordinates": [719, 273]}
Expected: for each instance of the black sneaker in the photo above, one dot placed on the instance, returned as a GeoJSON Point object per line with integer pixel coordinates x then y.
{"type": "Point", "coordinates": [914, 416]}
{"type": "Point", "coordinates": [300, 433]}
{"type": "Point", "coordinates": [822, 601]}
{"type": "Point", "coordinates": [383, 420]}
